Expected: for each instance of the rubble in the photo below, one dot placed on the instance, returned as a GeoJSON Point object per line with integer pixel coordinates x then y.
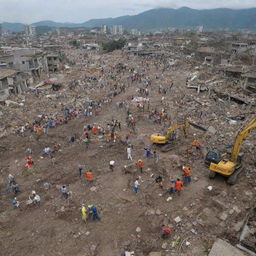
{"type": "Point", "coordinates": [155, 87]}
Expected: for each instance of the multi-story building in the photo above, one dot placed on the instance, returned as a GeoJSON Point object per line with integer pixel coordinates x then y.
{"type": "Point", "coordinates": [30, 31]}
{"type": "Point", "coordinates": [117, 30]}
{"type": "Point", "coordinates": [104, 29]}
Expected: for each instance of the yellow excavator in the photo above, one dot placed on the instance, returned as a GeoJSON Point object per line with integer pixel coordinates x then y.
{"type": "Point", "coordinates": [228, 167]}
{"type": "Point", "coordinates": [164, 139]}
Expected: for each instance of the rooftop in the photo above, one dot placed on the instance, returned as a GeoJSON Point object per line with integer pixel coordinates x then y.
{"type": "Point", "coordinates": [7, 72]}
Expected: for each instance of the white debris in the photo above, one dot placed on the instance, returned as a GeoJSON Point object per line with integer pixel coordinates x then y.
{"type": "Point", "coordinates": [138, 229]}
{"type": "Point", "coordinates": [177, 219]}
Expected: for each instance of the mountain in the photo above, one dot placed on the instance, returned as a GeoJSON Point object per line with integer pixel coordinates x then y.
{"type": "Point", "coordinates": [15, 27]}
{"type": "Point", "coordinates": [49, 23]}
{"type": "Point", "coordinates": [163, 18]}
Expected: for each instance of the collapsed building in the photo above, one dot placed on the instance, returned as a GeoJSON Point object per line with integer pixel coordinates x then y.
{"type": "Point", "coordinates": [21, 67]}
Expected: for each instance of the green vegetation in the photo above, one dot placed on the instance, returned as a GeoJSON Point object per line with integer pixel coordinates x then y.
{"type": "Point", "coordinates": [75, 43]}
{"type": "Point", "coordinates": [113, 45]}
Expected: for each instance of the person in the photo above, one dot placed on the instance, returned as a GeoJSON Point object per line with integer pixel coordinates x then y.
{"type": "Point", "coordinates": [15, 188]}
{"type": "Point", "coordinates": [178, 186]}
{"type": "Point", "coordinates": [73, 139]}
{"type": "Point", "coordinates": [148, 152]}
{"type": "Point", "coordinates": [84, 213]}
{"type": "Point", "coordinates": [166, 232]}
{"type": "Point", "coordinates": [86, 141]}
{"type": "Point", "coordinates": [140, 165]}
{"type": "Point", "coordinates": [89, 176]}
{"type": "Point", "coordinates": [15, 203]}
{"type": "Point", "coordinates": [37, 199]}
{"type": "Point", "coordinates": [172, 187]}
{"type": "Point", "coordinates": [159, 181]}
{"type": "Point", "coordinates": [80, 170]}
{"type": "Point", "coordinates": [10, 179]}
{"type": "Point", "coordinates": [195, 142]}
{"type": "Point", "coordinates": [129, 153]}
{"type": "Point", "coordinates": [111, 165]}
{"type": "Point", "coordinates": [136, 186]}
{"type": "Point", "coordinates": [95, 214]}
{"type": "Point", "coordinates": [29, 151]}
{"type": "Point", "coordinates": [39, 130]}
{"type": "Point", "coordinates": [48, 151]}
{"type": "Point", "coordinates": [187, 174]}
{"type": "Point", "coordinates": [29, 162]}
{"type": "Point", "coordinates": [64, 191]}
{"type": "Point", "coordinates": [32, 195]}
{"type": "Point", "coordinates": [155, 157]}
{"type": "Point", "coordinates": [95, 130]}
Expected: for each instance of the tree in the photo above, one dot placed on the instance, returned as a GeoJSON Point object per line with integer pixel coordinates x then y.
{"type": "Point", "coordinates": [110, 46]}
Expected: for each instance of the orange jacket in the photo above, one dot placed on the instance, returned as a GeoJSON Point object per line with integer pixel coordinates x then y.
{"type": "Point", "coordinates": [140, 164]}
{"type": "Point", "coordinates": [95, 130]}
{"type": "Point", "coordinates": [195, 143]}
{"type": "Point", "coordinates": [89, 176]}
{"type": "Point", "coordinates": [179, 185]}
{"type": "Point", "coordinates": [187, 171]}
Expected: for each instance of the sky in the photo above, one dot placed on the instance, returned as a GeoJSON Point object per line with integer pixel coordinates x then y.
{"type": "Point", "coordinates": [29, 11]}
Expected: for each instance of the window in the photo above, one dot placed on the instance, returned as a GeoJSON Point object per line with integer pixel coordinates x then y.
{"type": "Point", "coordinates": [23, 62]}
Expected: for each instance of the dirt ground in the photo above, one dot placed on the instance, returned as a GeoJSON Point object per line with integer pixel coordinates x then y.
{"type": "Point", "coordinates": [56, 226]}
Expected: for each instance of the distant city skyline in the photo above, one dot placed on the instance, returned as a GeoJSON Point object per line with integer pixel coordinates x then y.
{"type": "Point", "coordinates": [76, 11]}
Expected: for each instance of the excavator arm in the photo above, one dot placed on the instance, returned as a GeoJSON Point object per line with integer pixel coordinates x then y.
{"type": "Point", "coordinates": [242, 135]}
{"type": "Point", "coordinates": [176, 127]}
{"type": "Point", "coordinates": [228, 168]}
{"type": "Point", "coordinates": [163, 139]}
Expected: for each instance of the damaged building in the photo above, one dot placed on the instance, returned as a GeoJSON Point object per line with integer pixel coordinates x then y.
{"type": "Point", "coordinates": [12, 81]}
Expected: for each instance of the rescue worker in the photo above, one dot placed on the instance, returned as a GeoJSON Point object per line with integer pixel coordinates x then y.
{"type": "Point", "coordinates": [148, 152]}
{"type": "Point", "coordinates": [10, 179]}
{"type": "Point", "coordinates": [64, 191]}
{"type": "Point", "coordinates": [129, 153]}
{"type": "Point", "coordinates": [178, 186]}
{"type": "Point", "coordinates": [15, 203]}
{"type": "Point", "coordinates": [195, 142]}
{"type": "Point", "coordinates": [159, 181]}
{"type": "Point", "coordinates": [84, 213]}
{"type": "Point", "coordinates": [166, 232]}
{"type": "Point", "coordinates": [29, 162]}
{"type": "Point", "coordinates": [89, 176]}
{"type": "Point", "coordinates": [37, 200]}
{"type": "Point", "coordinates": [136, 186]}
{"type": "Point", "coordinates": [187, 174]}
{"type": "Point", "coordinates": [140, 165]}
{"type": "Point", "coordinates": [80, 170]}
{"type": "Point", "coordinates": [155, 157]}
{"type": "Point", "coordinates": [172, 187]}
{"type": "Point", "coordinates": [111, 165]}
{"type": "Point", "coordinates": [94, 210]}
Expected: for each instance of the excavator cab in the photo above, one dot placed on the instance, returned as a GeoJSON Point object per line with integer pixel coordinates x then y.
{"type": "Point", "coordinates": [213, 156]}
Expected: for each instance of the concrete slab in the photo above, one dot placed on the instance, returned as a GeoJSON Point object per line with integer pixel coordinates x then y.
{"type": "Point", "coordinates": [221, 248]}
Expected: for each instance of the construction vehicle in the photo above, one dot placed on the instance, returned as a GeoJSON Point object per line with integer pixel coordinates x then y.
{"type": "Point", "coordinates": [164, 139]}
{"type": "Point", "coordinates": [230, 167]}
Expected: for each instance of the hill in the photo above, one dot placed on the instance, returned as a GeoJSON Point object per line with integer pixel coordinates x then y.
{"type": "Point", "coordinates": [163, 18]}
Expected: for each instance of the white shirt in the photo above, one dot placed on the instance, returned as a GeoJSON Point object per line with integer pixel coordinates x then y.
{"type": "Point", "coordinates": [136, 183]}
{"type": "Point", "coordinates": [112, 162]}
{"type": "Point", "coordinates": [129, 150]}
{"type": "Point", "coordinates": [37, 198]}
